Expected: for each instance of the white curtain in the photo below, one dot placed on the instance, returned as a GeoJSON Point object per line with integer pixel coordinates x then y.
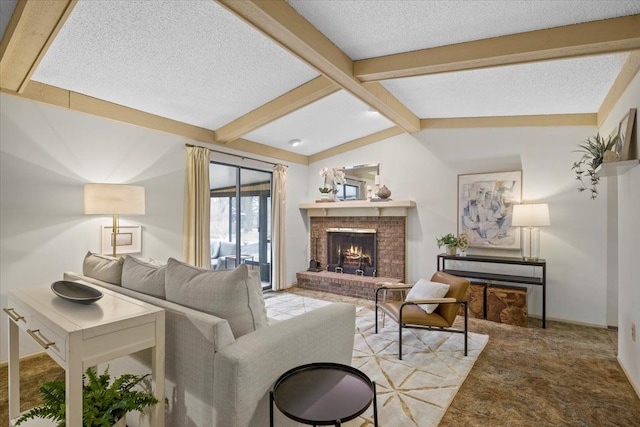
{"type": "Point", "coordinates": [279, 212]}
{"type": "Point", "coordinates": [197, 221]}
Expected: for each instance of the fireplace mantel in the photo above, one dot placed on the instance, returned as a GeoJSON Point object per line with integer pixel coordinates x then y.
{"type": "Point", "coordinates": [359, 208]}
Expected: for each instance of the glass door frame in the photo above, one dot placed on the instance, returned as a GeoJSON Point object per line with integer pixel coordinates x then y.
{"type": "Point", "coordinates": [265, 250]}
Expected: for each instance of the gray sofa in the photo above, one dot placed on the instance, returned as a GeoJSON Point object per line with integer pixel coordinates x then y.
{"type": "Point", "coordinates": [219, 371]}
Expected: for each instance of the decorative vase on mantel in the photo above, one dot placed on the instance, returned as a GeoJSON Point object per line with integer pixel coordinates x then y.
{"type": "Point", "coordinates": [384, 192]}
{"type": "Point", "coordinates": [451, 250]}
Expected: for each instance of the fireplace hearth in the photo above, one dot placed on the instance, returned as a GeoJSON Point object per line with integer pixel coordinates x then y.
{"type": "Point", "coordinates": [352, 251]}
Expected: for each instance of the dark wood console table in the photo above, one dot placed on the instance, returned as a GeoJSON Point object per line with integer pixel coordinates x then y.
{"type": "Point", "coordinates": [528, 280]}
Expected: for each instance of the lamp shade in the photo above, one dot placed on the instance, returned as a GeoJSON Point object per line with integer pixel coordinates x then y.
{"type": "Point", "coordinates": [113, 199]}
{"type": "Point", "coordinates": [530, 215]}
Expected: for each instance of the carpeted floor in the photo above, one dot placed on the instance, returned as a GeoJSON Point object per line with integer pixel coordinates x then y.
{"type": "Point", "coordinates": [564, 375]}
{"type": "Point", "coordinates": [412, 392]}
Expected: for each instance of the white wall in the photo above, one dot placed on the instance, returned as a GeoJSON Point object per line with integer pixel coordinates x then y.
{"type": "Point", "coordinates": [48, 153]}
{"type": "Point", "coordinates": [424, 167]}
{"type": "Point", "coordinates": [626, 210]}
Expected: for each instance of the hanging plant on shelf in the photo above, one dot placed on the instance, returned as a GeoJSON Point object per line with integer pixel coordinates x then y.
{"type": "Point", "coordinates": [593, 149]}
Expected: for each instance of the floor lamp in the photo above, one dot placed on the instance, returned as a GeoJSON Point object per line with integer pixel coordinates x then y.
{"type": "Point", "coordinates": [113, 199]}
{"type": "Point", "coordinates": [531, 216]}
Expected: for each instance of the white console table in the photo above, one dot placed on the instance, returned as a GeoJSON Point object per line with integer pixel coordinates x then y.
{"type": "Point", "coordinates": [79, 336]}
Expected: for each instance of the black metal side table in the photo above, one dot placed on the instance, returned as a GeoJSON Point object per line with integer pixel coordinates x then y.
{"type": "Point", "coordinates": [323, 394]}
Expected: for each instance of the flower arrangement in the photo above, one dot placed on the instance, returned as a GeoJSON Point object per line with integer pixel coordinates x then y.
{"type": "Point", "coordinates": [331, 178]}
{"type": "Point", "coordinates": [463, 241]}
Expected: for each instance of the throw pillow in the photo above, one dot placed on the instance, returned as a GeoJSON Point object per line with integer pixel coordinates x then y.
{"type": "Point", "coordinates": [102, 267]}
{"type": "Point", "coordinates": [143, 277]}
{"type": "Point", "coordinates": [234, 295]}
{"type": "Point", "coordinates": [425, 289]}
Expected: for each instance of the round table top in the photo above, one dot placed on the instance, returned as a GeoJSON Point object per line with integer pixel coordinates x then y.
{"type": "Point", "coordinates": [323, 393]}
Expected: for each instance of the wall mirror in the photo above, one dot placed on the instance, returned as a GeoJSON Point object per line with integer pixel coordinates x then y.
{"type": "Point", "coordinates": [357, 179]}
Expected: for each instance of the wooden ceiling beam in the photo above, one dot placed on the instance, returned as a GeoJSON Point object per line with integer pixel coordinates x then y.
{"type": "Point", "coordinates": [299, 97]}
{"type": "Point", "coordinates": [31, 30]}
{"type": "Point", "coordinates": [629, 71]}
{"type": "Point", "coordinates": [586, 119]}
{"type": "Point", "coordinates": [280, 22]}
{"type": "Point", "coordinates": [590, 38]}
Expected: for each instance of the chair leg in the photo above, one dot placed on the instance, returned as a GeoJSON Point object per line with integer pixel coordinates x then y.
{"type": "Point", "coordinates": [384, 299]}
{"type": "Point", "coordinates": [400, 336]}
{"type": "Point", "coordinates": [376, 314]}
{"type": "Point", "coordinates": [465, 327]}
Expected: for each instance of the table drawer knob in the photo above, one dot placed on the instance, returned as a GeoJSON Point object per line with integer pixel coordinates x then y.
{"type": "Point", "coordinates": [11, 312]}
{"type": "Point", "coordinates": [39, 340]}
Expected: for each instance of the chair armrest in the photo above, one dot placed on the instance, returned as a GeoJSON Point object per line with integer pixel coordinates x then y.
{"type": "Point", "coordinates": [391, 287]}
{"type": "Point", "coordinates": [245, 371]}
{"type": "Point", "coordinates": [435, 301]}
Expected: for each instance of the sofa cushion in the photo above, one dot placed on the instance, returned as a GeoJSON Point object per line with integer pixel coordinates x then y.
{"type": "Point", "coordinates": [102, 267]}
{"type": "Point", "coordinates": [234, 295]}
{"type": "Point", "coordinates": [144, 277]}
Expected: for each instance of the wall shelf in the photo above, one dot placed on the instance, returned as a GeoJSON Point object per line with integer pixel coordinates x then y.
{"type": "Point", "coordinates": [617, 168]}
{"type": "Point", "coordinates": [359, 208]}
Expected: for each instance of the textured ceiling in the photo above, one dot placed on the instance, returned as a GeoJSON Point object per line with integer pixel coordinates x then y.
{"type": "Point", "coordinates": [191, 61]}
{"type": "Point", "coordinates": [550, 87]}
{"type": "Point", "coordinates": [196, 62]}
{"type": "Point", "coordinates": [368, 29]}
{"type": "Point", "coordinates": [324, 124]}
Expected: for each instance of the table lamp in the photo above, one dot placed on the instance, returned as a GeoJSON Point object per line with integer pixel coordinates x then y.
{"type": "Point", "coordinates": [531, 216]}
{"type": "Point", "coordinates": [113, 199]}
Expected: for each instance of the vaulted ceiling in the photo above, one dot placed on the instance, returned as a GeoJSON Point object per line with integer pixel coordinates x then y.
{"type": "Point", "coordinates": [254, 75]}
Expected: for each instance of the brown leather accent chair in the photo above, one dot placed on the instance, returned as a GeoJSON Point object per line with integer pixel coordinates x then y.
{"type": "Point", "coordinates": [410, 315]}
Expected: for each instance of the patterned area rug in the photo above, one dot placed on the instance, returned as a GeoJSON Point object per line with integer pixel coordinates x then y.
{"type": "Point", "coordinates": [414, 391]}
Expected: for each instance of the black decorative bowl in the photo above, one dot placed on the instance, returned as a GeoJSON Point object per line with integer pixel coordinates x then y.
{"type": "Point", "coordinates": [76, 292]}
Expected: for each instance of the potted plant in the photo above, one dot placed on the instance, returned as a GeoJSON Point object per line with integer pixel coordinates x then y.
{"type": "Point", "coordinates": [331, 178]}
{"type": "Point", "coordinates": [450, 241]}
{"type": "Point", "coordinates": [593, 149]}
{"type": "Point", "coordinates": [104, 404]}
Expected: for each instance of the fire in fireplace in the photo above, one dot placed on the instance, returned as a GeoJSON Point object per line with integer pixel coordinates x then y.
{"type": "Point", "coordinates": [352, 251]}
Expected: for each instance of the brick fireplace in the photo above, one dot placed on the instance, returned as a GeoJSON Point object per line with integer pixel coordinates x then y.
{"type": "Point", "coordinates": [391, 236]}
{"type": "Point", "coordinates": [390, 258]}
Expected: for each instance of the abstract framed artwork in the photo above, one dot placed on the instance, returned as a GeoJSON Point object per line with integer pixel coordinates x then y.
{"type": "Point", "coordinates": [128, 239]}
{"type": "Point", "coordinates": [485, 209]}
{"type": "Point", "coordinates": [625, 132]}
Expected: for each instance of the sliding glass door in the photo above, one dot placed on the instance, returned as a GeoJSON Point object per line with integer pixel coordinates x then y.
{"type": "Point", "coordinates": [241, 219]}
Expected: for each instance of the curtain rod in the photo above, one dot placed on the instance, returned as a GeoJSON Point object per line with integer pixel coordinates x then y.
{"type": "Point", "coordinates": [237, 155]}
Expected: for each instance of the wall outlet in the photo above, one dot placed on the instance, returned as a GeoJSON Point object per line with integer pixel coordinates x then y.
{"type": "Point", "coordinates": [633, 331]}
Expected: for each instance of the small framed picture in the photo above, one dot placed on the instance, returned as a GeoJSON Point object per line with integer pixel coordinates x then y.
{"type": "Point", "coordinates": [625, 132]}
{"type": "Point", "coordinates": [128, 239]}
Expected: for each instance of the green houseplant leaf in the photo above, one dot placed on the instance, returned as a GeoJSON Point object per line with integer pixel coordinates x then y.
{"type": "Point", "coordinates": [104, 403]}
{"type": "Point", "coordinates": [593, 150]}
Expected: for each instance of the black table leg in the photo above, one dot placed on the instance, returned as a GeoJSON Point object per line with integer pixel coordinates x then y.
{"type": "Point", "coordinates": [271, 408]}
{"type": "Point", "coordinates": [375, 406]}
